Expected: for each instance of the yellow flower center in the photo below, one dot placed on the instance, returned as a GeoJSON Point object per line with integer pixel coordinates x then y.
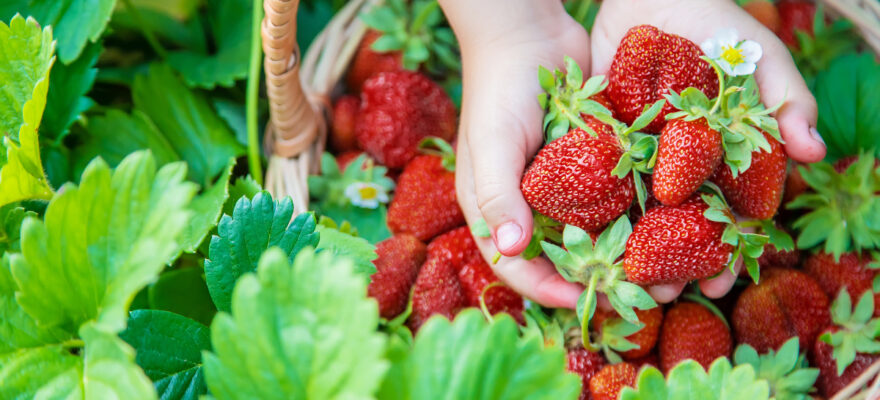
{"type": "Point", "coordinates": [368, 192]}
{"type": "Point", "coordinates": [732, 55]}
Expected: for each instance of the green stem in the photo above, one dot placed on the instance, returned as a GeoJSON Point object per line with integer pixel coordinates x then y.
{"type": "Point", "coordinates": [73, 343]}
{"type": "Point", "coordinates": [585, 322]}
{"type": "Point", "coordinates": [145, 28]}
{"type": "Point", "coordinates": [721, 87]}
{"type": "Point", "coordinates": [419, 20]}
{"type": "Point", "coordinates": [253, 91]}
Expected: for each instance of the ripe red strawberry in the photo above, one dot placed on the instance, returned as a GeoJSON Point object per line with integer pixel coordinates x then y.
{"type": "Point", "coordinates": [342, 135]}
{"type": "Point", "coordinates": [586, 364]}
{"type": "Point", "coordinates": [457, 247]}
{"type": "Point", "coordinates": [437, 291]}
{"type": "Point", "coordinates": [648, 64]}
{"type": "Point", "coordinates": [850, 272]}
{"type": "Point", "coordinates": [397, 266]}
{"type": "Point", "coordinates": [570, 179]}
{"type": "Point", "coordinates": [765, 12]}
{"type": "Point", "coordinates": [757, 192]}
{"type": "Point", "coordinates": [688, 153]}
{"type": "Point", "coordinates": [368, 62]}
{"type": "Point", "coordinates": [652, 360]}
{"type": "Point", "coordinates": [829, 383]}
{"type": "Point", "coordinates": [610, 381]}
{"type": "Point", "coordinates": [475, 276]}
{"type": "Point", "coordinates": [785, 304]}
{"type": "Point", "coordinates": [692, 331]}
{"type": "Point", "coordinates": [795, 15]}
{"type": "Point", "coordinates": [398, 110]}
{"type": "Point", "coordinates": [646, 338]}
{"type": "Point", "coordinates": [675, 244]}
{"type": "Point", "coordinates": [424, 202]}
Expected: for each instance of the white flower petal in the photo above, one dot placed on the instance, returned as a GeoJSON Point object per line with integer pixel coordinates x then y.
{"type": "Point", "coordinates": [711, 47]}
{"type": "Point", "coordinates": [743, 69]}
{"type": "Point", "coordinates": [727, 37]}
{"type": "Point", "coordinates": [725, 66]}
{"type": "Point", "coordinates": [752, 51]}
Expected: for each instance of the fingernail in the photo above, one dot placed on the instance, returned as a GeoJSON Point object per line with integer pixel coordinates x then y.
{"type": "Point", "coordinates": [507, 235]}
{"type": "Point", "coordinates": [815, 134]}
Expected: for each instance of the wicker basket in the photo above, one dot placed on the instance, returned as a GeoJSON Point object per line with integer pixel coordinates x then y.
{"type": "Point", "coordinates": [299, 90]}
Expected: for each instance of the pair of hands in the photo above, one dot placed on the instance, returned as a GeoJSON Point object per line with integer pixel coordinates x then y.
{"type": "Point", "coordinates": [504, 41]}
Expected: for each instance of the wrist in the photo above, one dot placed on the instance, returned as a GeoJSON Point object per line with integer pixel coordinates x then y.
{"type": "Point", "coordinates": [482, 23]}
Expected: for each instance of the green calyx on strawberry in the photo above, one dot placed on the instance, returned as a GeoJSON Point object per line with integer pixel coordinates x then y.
{"type": "Point", "coordinates": [612, 338]}
{"type": "Point", "coordinates": [362, 173]}
{"type": "Point", "coordinates": [438, 147]}
{"type": "Point", "coordinates": [859, 333]}
{"type": "Point", "coordinates": [568, 100]}
{"type": "Point", "coordinates": [737, 113]}
{"type": "Point", "coordinates": [542, 228]}
{"type": "Point", "coordinates": [844, 212]}
{"type": "Point", "coordinates": [598, 267]}
{"type": "Point", "coordinates": [785, 370]}
{"type": "Point", "coordinates": [416, 29]}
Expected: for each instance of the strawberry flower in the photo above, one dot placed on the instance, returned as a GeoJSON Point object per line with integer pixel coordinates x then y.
{"type": "Point", "coordinates": [366, 194]}
{"type": "Point", "coordinates": [735, 57]}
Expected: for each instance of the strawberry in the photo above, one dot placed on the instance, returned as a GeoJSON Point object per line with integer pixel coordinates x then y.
{"type": "Point", "coordinates": [688, 153]}
{"type": "Point", "coordinates": [342, 135]}
{"type": "Point", "coordinates": [785, 304]}
{"type": "Point", "coordinates": [456, 247]}
{"type": "Point", "coordinates": [850, 271]}
{"type": "Point", "coordinates": [368, 62]}
{"type": "Point", "coordinates": [586, 364]}
{"type": "Point", "coordinates": [424, 202]}
{"type": "Point", "coordinates": [608, 324]}
{"type": "Point", "coordinates": [765, 12]}
{"type": "Point", "coordinates": [437, 291]}
{"type": "Point", "coordinates": [774, 257]}
{"type": "Point", "coordinates": [475, 277]}
{"type": "Point", "coordinates": [398, 110]}
{"type": "Point", "coordinates": [397, 266]}
{"type": "Point", "coordinates": [674, 244]}
{"type": "Point", "coordinates": [848, 347]}
{"type": "Point", "coordinates": [757, 192]}
{"type": "Point", "coordinates": [650, 360]}
{"type": "Point", "coordinates": [610, 381]}
{"type": "Point", "coordinates": [648, 64]}
{"type": "Point", "coordinates": [570, 179]}
{"type": "Point", "coordinates": [795, 15]}
{"type": "Point", "coordinates": [344, 159]}
{"type": "Point", "coordinates": [693, 331]}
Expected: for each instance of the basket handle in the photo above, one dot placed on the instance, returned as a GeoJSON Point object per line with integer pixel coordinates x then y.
{"type": "Point", "coordinates": [294, 121]}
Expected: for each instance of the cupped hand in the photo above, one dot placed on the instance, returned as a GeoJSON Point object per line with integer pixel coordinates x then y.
{"type": "Point", "coordinates": [777, 77]}
{"type": "Point", "coordinates": [500, 128]}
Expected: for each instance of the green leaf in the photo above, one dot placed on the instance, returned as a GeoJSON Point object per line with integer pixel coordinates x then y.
{"type": "Point", "coordinates": [101, 242]}
{"type": "Point", "coordinates": [25, 61]}
{"type": "Point", "coordinates": [67, 98]}
{"type": "Point", "coordinates": [254, 226]}
{"type": "Point", "coordinates": [244, 186]}
{"type": "Point", "coordinates": [356, 249]}
{"type": "Point", "coordinates": [472, 359]}
{"type": "Point", "coordinates": [480, 228]}
{"type": "Point", "coordinates": [110, 371]}
{"type": "Point", "coordinates": [846, 94]}
{"type": "Point", "coordinates": [169, 349]}
{"type": "Point", "coordinates": [786, 371]}
{"type": "Point", "coordinates": [116, 134]}
{"type": "Point", "coordinates": [206, 210]}
{"type": "Point", "coordinates": [230, 22]}
{"type": "Point", "coordinates": [11, 217]}
{"type": "Point", "coordinates": [688, 380]}
{"type": "Point", "coordinates": [75, 22]}
{"type": "Point", "coordinates": [25, 372]}
{"type": "Point", "coordinates": [305, 331]}
{"type": "Point", "coordinates": [183, 291]}
{"type": "Point", "coordinates": [185, 117]}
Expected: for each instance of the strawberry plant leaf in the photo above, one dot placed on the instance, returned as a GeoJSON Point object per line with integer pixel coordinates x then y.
{"type": "Point", "coordinates": [110, 371]}
{"type": "Point", "coordinates": [186, 119]}
{"type": "Point", "coordinates": [301, 331]}
{"type": "Point", "coordinates": [206, 211]}
{"type": "Point", "coordinates": [68, 86]}
{"type": "Point", "coordinates": [128, 219]}
{"type": "Point", "coordinates": [343, 244]}
{"type": "Point", "coordinates": [169, 349]}
{"type": "Point", "coordinates": [25, 372]}
{"type": "Point", "coordinates": [184, 292]}
{"type": "Point", "coordinates": [255, 225]}
{"type": "Point", "coordinates": [75, 22]}
{"type": "Point", "coordinates": [474, 359]}
{"type": "Point", "coordinates": [116, 134]}
{"type": "Point", "coordinates": [11, 217]}
{"type": "Point", "coordinates": [688, 380]}
{"type": "Point", "coordinates": [25, 61]}
{"type": "Point", "coordinates": [244, 186]}
{"type": "Point", "coordinates": [230, 22]}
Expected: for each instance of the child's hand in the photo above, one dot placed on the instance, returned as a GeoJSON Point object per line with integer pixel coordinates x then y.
{"type": "Point", "coordinates": [777, 77]}
{"type": "Point", "coordinates": [503, 42]}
